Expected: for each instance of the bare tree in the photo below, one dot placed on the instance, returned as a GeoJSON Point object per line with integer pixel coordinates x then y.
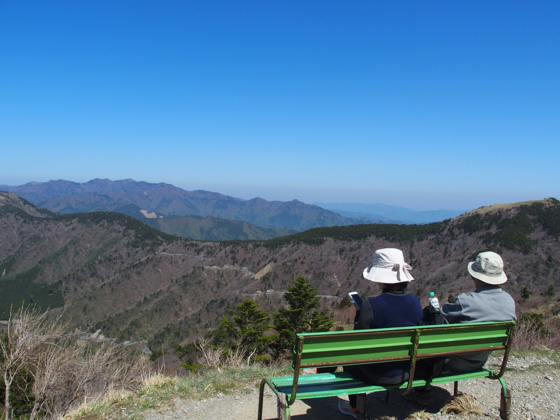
{"type": "Point", "coordinates": [210, 355]}
{"type": "Point", "coordinates": [64, 373]}
{"type": "Point", "coordinates": [218, 357]}
{"type": "Point", "coordinates": [27, 331]}
{"type": "Point", "coordinates": [52, 373]}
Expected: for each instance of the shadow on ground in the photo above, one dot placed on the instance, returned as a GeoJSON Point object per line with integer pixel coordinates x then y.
{"type": "Point", "coordinates": [379, 404]}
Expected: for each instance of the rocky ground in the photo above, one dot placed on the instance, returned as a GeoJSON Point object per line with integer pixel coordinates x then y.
{"type": "Point", "coordinates": [533, 380]}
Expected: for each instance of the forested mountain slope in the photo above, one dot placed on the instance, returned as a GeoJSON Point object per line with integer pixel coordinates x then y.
{"type": "Point", "coordinates": [207, 228]}
{"type": "Point", "coordinates": [133, 282]}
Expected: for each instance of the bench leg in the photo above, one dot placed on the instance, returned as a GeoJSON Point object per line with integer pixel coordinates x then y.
{"type": "Point", "coordinates": [505, 402]}
{"type": "Point", "coordinates": [361, 406]}
{"type": "Point", "coordinates": [261, 396]}
{"type": "Point", "coordinates": [283, 409]}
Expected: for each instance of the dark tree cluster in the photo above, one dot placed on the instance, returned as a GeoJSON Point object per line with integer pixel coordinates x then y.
{"type": "Point", "coordinates": [249, 326]}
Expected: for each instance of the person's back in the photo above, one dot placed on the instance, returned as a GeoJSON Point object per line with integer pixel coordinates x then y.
{"type": "Point", "coordinates": [394, 307]}
{"type": "Point", "coordinates": [487, 303]}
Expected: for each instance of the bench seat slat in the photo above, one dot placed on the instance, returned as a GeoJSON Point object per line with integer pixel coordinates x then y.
{"type": "Point", "coordinates": [343, 383]}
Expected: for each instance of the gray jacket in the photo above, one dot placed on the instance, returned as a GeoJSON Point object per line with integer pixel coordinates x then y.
{"type": "Point", "coordinates": [484, 304]}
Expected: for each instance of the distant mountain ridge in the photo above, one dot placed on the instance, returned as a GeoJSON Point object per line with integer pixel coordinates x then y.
{"type": "Point", "coordinates": [66, 197]}
{"type": "Point", "coordinates": [383, 213]}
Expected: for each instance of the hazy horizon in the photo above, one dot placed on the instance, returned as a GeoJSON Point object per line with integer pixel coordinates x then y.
{"type": "Point", "coordinates": [319, 203]}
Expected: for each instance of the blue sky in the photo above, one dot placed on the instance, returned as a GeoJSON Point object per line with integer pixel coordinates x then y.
{"type": "Point", "coordinates": [420, 104]}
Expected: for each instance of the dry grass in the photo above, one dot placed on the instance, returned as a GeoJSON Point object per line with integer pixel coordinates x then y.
{"type": "Point", "coordinates": [420, 415]}
{"type": "Point", "coordinates": [462, 404]}
{"type": "Point", "coordinates": [527, 336]}
{"type": "Point", "coordinates": [153, 392]}
{"type": "Point", "coordinates": [505, 206]}
{"type": "Point", "coordinates": [62, 374]}
{"type": "Point", "coordinates": [158, 391]}
{"type": "Point", "coordinates": [158, 381]}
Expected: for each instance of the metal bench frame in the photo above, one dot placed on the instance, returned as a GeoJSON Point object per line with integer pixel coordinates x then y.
{"type": "Point", "coordinates": [312, 350]}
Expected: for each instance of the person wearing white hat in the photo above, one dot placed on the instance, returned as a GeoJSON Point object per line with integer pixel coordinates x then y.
{"type": "Point", "coordinates": [488, 302]}
{"type": "Point", "coordinates": [394, 307]}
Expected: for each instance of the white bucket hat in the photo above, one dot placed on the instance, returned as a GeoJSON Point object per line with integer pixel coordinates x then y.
{"type": "Point", "coordinates": [388, 267]}
{"type": "Point", "coordinates": [488, 267]}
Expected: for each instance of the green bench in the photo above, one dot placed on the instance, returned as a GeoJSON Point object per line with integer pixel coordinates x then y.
{"type": "Point", "coordinates": [312, 350]}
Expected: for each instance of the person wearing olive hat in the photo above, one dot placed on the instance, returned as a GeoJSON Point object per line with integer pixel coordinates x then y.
{"type": "Point", "coordinates": [488, 302]}
{"type": "Point", "coordinates": [394, 307]}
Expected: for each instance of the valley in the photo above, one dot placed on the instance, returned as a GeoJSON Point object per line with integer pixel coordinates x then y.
{"type": "Point", "coordinates": [109, 272]}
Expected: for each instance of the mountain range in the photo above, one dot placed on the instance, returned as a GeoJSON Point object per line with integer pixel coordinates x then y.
{"type": "Point", "coordinates": [275, 218]}
{"type": "Point", "coordinates": [210, 216]}
{"type": "Point", "coordinates": [108, 271]}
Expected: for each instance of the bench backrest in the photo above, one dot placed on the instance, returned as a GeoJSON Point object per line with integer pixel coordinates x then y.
{"type": "Point", "coordinates": [403, 343]}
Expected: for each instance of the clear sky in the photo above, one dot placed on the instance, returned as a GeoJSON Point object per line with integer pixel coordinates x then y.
{"type": "Point", "coordinates": [422, 104]}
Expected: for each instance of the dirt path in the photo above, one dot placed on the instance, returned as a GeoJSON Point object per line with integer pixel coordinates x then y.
{"type": "Point", "coordinates": [534, 383]}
